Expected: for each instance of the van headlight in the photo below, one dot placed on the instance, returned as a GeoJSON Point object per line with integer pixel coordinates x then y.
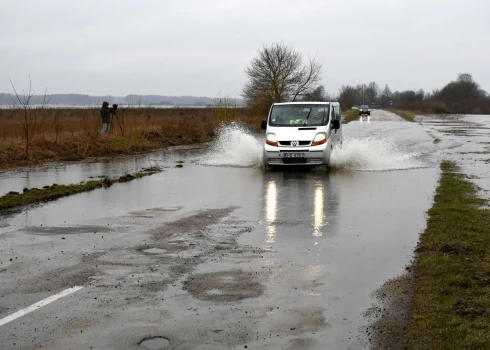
{"type": "Point", "coordinates": [271, 139]}
{"type": "Point", "coordinates": [319, 139]}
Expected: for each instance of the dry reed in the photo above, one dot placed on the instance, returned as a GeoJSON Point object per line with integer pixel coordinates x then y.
{"type": "Point", "coordinates": [74, 134]}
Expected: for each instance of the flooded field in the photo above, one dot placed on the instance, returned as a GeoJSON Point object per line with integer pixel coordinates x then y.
{"type": "Point", "coordinates": [221, 254]}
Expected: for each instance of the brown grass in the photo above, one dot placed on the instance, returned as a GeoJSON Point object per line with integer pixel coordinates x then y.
{"type": "Point", "coordinates": [74, 134]}
{"type": "Point", "coordinates": [350, 115]}
{"type": "Point", "coordinates": [407, 115]}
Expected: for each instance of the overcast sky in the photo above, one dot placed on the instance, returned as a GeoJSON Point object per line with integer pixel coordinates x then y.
{"type": "Point", "coordinates": [200, 48]}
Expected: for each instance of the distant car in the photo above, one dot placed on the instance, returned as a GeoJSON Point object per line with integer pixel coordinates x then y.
{"type": "Point", "coordinates": [364, 110]}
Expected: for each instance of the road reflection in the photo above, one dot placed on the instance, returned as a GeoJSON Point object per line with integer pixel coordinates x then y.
{"type": "Point", "coordinates": [298, 204]}
{"type": "Point", "coordinates": [319, 218]}
{"type": "Point", "coordinates": [271, 210]}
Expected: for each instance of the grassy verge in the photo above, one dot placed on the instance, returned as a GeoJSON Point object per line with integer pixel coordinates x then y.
{"type": "Point", "coordinates": [407, 115]}
{"type": "Point", "coordinates": [50, 193]}
{"type": "Point", "coordinates": [350, 115]}
{"type": "Point", "coordinates": [451, 304]}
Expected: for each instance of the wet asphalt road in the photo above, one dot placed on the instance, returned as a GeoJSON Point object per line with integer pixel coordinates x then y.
{"type": "Point", "coordinates": [221, 254]}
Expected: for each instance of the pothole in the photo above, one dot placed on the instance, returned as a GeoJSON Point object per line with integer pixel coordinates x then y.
{"type": "Point", "coordinates": [155, 343]}
{"type": "Point", "coordinates": [155, 251]}
{"type": "Point", "coordinates": [224, 286]}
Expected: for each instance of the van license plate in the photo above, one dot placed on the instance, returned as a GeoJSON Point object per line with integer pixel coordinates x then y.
{"type": "Point", "coordinates": [294, 155]}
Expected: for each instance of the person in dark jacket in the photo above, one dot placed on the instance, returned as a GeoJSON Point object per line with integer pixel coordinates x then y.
{"type": "Point", "coordinates": [105, 115]}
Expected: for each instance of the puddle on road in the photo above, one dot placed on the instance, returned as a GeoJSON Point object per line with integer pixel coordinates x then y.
{"type": "Point", "coordinates": [66, 230]}
{"type": "Point", "coordinates": [154, 211]}
{"type": "Point", "coordinates": [470, 149]}
{"type": "Point", "coordinates": [155, 251]}
{"type": "Point", "coordinates": [155, 343]}
{"type": "Point", "coordinates": [224, 286]}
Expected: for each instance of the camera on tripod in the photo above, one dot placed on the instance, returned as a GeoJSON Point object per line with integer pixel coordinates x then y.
{"type": "Point", "coordinates": [114, 106]}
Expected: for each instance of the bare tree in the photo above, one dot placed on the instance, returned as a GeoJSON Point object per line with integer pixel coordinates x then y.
{"type": "Point", "coordinates": [371, 93]}
{"type": "Point", "coordinates": [348, 96]}
{"type": "Point", "coordinates": [278, 74]}
{"type": "Point", "coordinates": [29, 115]}
{"type": "Point", "coordinates": [316, 94]}
{"type": "Point", "coordinates": [385, 97]}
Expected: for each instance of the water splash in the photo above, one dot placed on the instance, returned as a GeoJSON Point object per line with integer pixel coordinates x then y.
{"type": "Point", "coordinates": [235, 146]}
{"type": "Point", "coordinates": [374, 154]}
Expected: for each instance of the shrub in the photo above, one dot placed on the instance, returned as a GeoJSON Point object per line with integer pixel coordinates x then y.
{"type": "Point", "coordinates": [439, 108]}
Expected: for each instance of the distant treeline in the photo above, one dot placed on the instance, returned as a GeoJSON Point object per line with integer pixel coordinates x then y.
{"type": "Point", "coordinates": [463, 95]}
{"type": "Point", "coordinates": [133, 100]}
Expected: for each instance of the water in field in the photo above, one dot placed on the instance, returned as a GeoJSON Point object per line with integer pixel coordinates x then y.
{"type": "Point", "coordinates": [390, 144]}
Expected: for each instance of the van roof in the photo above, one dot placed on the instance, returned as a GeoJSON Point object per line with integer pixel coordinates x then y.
{"type": "Point", "coordinates": [304, 103]}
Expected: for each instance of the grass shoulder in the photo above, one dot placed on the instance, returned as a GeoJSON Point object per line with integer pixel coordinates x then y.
{"type": "Point", "coordinates": [350, 115]}
{"type": "Point", "coordinates": [407, 115]}
{"type": "Point", "coordinates": [451, 300]}
{"type": "Point", "coordinates": [14, 200]}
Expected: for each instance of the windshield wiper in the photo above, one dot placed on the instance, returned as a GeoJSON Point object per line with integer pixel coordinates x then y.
{"type": "Point", "coordinates": [311, 108]}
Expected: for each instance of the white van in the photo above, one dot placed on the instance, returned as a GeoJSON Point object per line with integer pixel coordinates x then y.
{"type": "Point", "coordinates": [302, 133]}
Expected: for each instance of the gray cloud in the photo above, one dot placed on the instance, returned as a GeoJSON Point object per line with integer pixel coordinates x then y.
{"type": "Point", "coordinates": [201, 48]}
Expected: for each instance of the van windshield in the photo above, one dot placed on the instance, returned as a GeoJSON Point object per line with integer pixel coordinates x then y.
{"type": "Point", "coordinates": [299, 115]}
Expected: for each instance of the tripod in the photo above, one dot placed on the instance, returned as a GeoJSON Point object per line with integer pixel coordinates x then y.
{"type": "Point", "coordinates": [114, 114]}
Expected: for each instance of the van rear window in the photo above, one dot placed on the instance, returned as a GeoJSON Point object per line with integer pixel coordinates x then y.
{"type": "Point", "coordinates": [299, 115]}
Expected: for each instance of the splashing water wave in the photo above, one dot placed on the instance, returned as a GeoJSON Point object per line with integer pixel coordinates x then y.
{"type": "Point", "coordinates": [235, 146]}
{"type": "Point", "coordinates": [374, 154]}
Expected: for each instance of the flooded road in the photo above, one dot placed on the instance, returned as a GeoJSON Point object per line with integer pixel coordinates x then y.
{"type": "Point", "coordinates": [221, 254]}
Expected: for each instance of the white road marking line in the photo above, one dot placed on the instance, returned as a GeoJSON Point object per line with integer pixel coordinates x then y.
{"type": "Point", "coordinates": [39, 304]}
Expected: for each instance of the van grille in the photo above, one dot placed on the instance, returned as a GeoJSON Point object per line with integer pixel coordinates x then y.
{"type": "Point", "coordinates": [288, 143]}
{"type": "Point", "coordinates": [293, 150]}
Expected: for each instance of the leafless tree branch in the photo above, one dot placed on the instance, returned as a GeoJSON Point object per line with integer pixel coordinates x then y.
{"type": "Point", "coordinates": [29, 117]}
{"type": "Point", "coordinates": [277, 74]}
{"type": "Point", "coordinates": [16, 95]}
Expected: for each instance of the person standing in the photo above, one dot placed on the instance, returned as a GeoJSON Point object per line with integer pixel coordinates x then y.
{"type": "Point", "coordinates": [105, 115]}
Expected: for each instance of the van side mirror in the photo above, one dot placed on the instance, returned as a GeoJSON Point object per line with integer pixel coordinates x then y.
{"type": "Point", "coordinates": [263, 125]}
{"type": "Point", "coordinates": [335, 124]}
